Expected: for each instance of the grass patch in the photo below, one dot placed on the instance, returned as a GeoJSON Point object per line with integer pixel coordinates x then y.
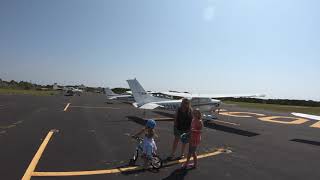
{"type": "Point", "coordinates": [278, 108]}
{"type": "Point", "coordinates": [28, 92]}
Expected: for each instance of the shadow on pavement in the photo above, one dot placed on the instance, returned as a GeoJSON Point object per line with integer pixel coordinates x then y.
{"type": "Point", "coordinates": [230, 129]}
{"type": "Point", "coordinates": [177, 174]}
{"type": "Point", "coordinates": [164, 114]}
{"type": "Point", "coordinates": [315, 143]}
{"type": "Point", "coordinates": [137, 120]}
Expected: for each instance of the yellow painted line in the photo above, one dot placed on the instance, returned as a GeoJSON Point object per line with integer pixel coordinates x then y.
{"type": "Point", "coordinates": [65, 109]}
{"type": "Point", "coordinates": [27, 175]}
{"type": "Point", "coordinates": [117, 170]}
{"type": "Point", "coordinates": [217, 152]}
{"type": "Point", "coordinates": [316, 125]}
{"type": "Point", "coordinates": [8, 127]}
{"type": "Point", "coordinates": [11, 126]}
{"type": "Point", "coordinates": [18, 122]}
{"type": "Point", "coordinates": [222, 110]}
{"type": "Point", "coordinates": [226, 122]}
{"type": "Point", "coordinates": [92, 107]}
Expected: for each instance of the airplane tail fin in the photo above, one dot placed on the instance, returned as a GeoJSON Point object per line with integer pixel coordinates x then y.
{"type": "Point", "coordinates": [140, 95]}
{"type": "Point", "coordinates": [109, 92]}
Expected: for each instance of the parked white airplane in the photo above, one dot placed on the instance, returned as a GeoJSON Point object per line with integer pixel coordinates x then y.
{"type": "Point", "coordinates": [205, 103]}
{"type": "Point", "coordinates": [77, 90]}
{"type": "Point", "coordinates": [111, 95]}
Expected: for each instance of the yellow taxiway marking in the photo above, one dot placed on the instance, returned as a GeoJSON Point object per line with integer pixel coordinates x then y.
{"type": "Point", "coordinates": [294, 121]}
{"type": "Point", "coordinates": [241, 114]}
{"type": "Point", "coordinates": [66, 108]}
{"type": "Point", "coordinates": [226, 122]}
{"type": "Point", "coordinates": [27, 175]}
{"type": "Point", "coordinates": [92, 107]}
{"type": "Point", "coordinates": [316, 125]}
{"type": "Point", "coordinates": [119, 170]}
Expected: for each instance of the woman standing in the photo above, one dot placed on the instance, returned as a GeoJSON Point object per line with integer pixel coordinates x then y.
{"type": "Point", "coordinates": [182, 124]}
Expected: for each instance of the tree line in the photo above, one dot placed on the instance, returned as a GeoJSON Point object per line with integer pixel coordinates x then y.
{"type": "Point", "coordinates": [21, 85]}
{"type": "Point", "coordinates": [120, 90]}
{"type": "Point", "coordinates": [24, 85]}
{"type": "Point", "coordinates": [288, 102]}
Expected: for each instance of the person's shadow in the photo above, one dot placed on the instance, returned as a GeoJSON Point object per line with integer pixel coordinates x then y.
{"type": "Point", "coordinates": [177, 174]}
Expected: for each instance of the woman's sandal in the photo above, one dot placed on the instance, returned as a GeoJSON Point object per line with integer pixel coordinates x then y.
{"type": "Point", "coordinates": [188, 166]}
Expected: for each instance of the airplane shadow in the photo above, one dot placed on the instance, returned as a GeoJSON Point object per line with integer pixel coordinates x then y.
{"type": "Point", "coordinates": [315, 143]}
{"type": "Point", "coordinates": [210, 125]}
{"type": "Point", "coordinates": [164, 114]}
{"type": "Point", "coordinates": [227, 129]}
{"type": "Point", "coordinates": [138, 171]}
{"type": "Point", "coordinates": [137, 120]}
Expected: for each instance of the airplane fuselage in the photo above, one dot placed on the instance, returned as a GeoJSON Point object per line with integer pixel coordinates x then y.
{"type": "Point", "coordinates": [205, 105]}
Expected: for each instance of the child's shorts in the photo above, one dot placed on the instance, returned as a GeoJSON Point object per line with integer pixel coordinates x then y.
{"type": "Point", "coordinates": [149, 147]}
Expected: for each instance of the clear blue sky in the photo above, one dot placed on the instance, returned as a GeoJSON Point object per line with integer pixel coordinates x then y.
{"type": "Point", "coordinates": [221, 46]}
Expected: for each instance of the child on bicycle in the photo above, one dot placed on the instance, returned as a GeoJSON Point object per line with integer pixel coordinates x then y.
{"type": "Point", "coordinates": [149, 146]}
{"type": "Point", "coordinates": [195, 138]}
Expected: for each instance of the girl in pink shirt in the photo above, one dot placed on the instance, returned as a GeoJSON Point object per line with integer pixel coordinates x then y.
{"type": "Point", "coordinates": [195, 138]}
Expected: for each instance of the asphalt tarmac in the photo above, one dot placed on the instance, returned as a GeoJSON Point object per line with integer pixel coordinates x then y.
{"type": "Point", "coordinates": [88, 137]}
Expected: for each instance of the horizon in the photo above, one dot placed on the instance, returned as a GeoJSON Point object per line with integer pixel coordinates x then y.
{"type": "Point", "coordinates": [207, 46]}
{"type": "Point", "coordinates": [66, 85]}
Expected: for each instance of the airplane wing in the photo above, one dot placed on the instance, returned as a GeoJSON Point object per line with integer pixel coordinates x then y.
{"type": "Point", "coordinates": [119, 96]}
{"type": "Point", "coordinates": [313, 117]}
{"type": "Point", "coordinates": [150, 106]}
{"type": "Point", "coordinates": [147, 106]}
{"type": "Point", "coordinates": [189, 95]}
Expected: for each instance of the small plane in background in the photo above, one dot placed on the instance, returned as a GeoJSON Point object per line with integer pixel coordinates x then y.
{"type": "Point", "coordinates": [111, 95]}
{"type": "Point", "coordinates": [70, 91]}
{"type": "Point", "coordinates": [206, 103]}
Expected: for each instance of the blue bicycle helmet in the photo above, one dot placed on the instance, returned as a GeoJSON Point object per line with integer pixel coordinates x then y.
{"type": "Point", "coordinates": [151, 123]}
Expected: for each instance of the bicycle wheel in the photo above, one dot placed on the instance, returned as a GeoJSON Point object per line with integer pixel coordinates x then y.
{"type": "Point", "coordinates": [135, 155]}
{"type": "Point", "coordinates": [134, 158]}
{"type": "Point", "coordinates": [156, 162]}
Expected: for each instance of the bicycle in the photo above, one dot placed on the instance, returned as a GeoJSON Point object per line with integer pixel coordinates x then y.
{"type": "Point", "coordinates": [155, 161]}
